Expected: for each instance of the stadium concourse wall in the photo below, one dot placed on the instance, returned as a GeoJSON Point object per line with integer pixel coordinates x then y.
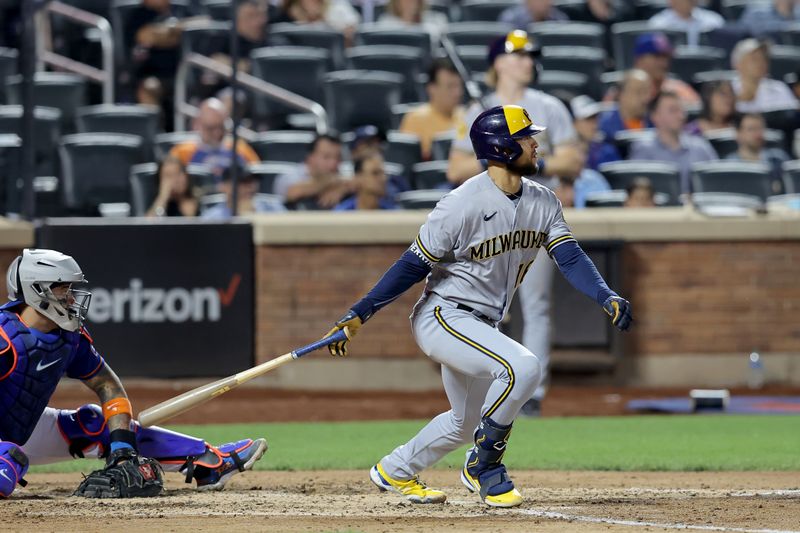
{"type": "Point", "coordinates": [706, 292]}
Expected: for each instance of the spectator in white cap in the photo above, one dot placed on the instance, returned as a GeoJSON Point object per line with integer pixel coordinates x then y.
{"type": "Point", "coordinates": [586, 113]}
{"type": "Point", "coordinates": [684, 15]}
{"type": "Point", "coordinates": [755, 92]}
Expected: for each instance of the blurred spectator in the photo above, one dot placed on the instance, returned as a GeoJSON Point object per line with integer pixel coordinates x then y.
{"type": "Point", "coordinates": [585, 113]}
{"type": "Point", "coordinates": [531, 11]}
{"type": "Point", "coordinates": [760, 19]}
{"type": "Point", "coordinates": [176, 193]}
{"type": "Point", "coordinates": [370, 185]}
{"type": "Point", "coordinates": [684, 15]}
{"type": "Point", "coordinates": [755, 93]}
{"type": "Point", "coordinates": [213, 148]}
{"type": "Point", "coordinates": [718, 108]}
{"type": "Point", "coordinates": [316, 181]}
{"type": "Point", "coordinates": [652, 53]}
{"type": "Point", "coordinates": [670, 143]}
{"type": "Point", "coordinates": [248, 201]}
{"type": "Point", "coordinates": [443, 112]}
{"type": "Point", "coordinates": [631, 111]}
{"type": "Point", "coordinates": [338, 14]}
{"type": "Point", "coordinates": [368, 139]}
{"type": "Point", "coordinates": [413, 13]}
{"type": "Point", "coordinates": [640, 193]}
{"type": "Point", "coordinates": [511, 61]}
{"type": "Point", "coordinates": [152, 34]}
{"type": "Point", "coordinates": [605, 12]}
{"type": "Point", "coordinates": [750, 129]}
{"type": "Point", "coordinates": [252, 19]}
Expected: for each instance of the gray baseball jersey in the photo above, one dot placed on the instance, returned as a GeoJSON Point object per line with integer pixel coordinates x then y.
{"type": "Point", "coordinates": [546, 110]}
{"type": "Point", "coordinates": [481, 244]}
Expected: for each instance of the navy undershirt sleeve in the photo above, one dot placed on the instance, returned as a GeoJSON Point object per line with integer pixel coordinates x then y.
{"type": "Point", "coordinates": [579, 270]}
{"type": "Point", "coordinates": [407, 271]}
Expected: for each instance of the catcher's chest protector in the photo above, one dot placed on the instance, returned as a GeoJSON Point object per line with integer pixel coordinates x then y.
{"type": "Point", "coordinates": [30, 369]}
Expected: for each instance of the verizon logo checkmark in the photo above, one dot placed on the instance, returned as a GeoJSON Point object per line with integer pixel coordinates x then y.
{"type": "Point", "coordinates": [226, 295]}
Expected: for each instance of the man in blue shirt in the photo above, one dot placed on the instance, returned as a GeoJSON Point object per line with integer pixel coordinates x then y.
{"type": "Point", "coordinates": [370, 182]}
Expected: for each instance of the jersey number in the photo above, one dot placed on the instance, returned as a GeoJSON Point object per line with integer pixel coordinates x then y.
{"type": "Point", "coordinates": [521, 271]}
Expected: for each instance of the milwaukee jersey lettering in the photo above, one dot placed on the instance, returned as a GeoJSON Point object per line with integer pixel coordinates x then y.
{"type": "Point", "coordinates": [480, 243]}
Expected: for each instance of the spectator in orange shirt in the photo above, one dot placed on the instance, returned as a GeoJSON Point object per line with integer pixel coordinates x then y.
{"type": "Point", "coordinates": [443, 112]}
{"type": "Point", "coordinates": [213, 147]}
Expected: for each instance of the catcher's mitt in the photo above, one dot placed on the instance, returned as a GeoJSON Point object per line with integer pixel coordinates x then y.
{"type": "Point", "coordinates": [126, 475]}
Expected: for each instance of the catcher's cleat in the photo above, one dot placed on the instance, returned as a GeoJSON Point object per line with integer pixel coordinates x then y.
{"type": "Point", "coordinates": [413, 489]}
{"type": "Point", "coordinates": [493, 486]}
{"type": "Point", "coordinates": [213, 469]}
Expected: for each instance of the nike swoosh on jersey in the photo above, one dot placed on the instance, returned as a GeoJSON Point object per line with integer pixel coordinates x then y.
{"type": "Point", "coordinates": [40, 366]}
{"type": "Point", "coordinates": [3, 473]}
{"type": "Point", "coordinates": [487, 218]}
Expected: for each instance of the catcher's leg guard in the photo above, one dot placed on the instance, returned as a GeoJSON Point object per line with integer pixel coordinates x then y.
{"type": "Point", "coordinates": [13, 466]}
{"type": "Point", "coordinates": [84, 429]}
{"type": "Point", "coordinates": [484, 472]}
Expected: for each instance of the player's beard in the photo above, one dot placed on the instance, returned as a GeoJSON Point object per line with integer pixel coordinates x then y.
{"type": "Point", "coordinates": [524, 167]}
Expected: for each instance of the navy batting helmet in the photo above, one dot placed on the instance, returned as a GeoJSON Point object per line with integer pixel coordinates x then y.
{"type": "Point", "coordinates": [495, 132]}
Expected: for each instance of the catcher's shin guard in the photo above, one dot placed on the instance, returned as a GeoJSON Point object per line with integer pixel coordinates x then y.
{"type": "Point", "coordinates": [484, 471]}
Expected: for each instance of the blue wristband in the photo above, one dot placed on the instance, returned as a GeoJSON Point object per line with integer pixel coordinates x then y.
{"type": "Point", "coordinates": [117, 445]}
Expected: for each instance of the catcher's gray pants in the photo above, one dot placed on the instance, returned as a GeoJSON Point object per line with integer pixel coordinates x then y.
{"type": "Point", "coordinates": [47, 445]}
{"type": "Point", "coordinates": [484, 373]}
{"type": "Point", "coordinates": [534, 299]}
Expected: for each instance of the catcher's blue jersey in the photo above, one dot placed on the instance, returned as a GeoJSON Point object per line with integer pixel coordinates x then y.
{"type": "Point", "coordinates": [31, 365]}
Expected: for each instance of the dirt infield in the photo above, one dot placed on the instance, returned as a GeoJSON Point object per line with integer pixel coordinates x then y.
{"type": "Point", "coordinates": [347, 501]}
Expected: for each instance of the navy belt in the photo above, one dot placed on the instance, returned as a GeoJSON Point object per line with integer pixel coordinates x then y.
{"type": "Point", "coordinates": [476, 313]}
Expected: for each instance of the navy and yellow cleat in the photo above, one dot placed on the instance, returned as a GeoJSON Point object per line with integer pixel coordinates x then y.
{"type": "Point", "coordinates": [413, 489]}
{"type": "Point", "coordinates": [218, 465]}
{"type": "Point", "coordinates": [493, 486]}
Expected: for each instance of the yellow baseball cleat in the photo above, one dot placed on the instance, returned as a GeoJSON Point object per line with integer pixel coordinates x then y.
{"type": "Point", "coordinates": [413, 489]}
{"type": "Point", "coordinates": [512, 498]}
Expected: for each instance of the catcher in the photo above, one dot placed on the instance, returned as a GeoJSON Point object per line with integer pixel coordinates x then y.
{"type": "Point", "coordinates": [42, 338]}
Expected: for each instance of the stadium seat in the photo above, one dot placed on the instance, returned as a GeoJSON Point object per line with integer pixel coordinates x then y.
{"type": "Point", "coordinates": [623, 39]}
{"type": "Point", "coordinates": [402, 60]}
{"type": "Point", "coordinates": [429, 175]}
{"type": "Point", "coordinates": [625, 138]}
{"type": "Point", "coordinates": [613, 198]}
{"type": "Point", "coordinates": [421, 199]}
{"type": "Point", "coordinates": [484, 10]}
{"type": "Point", "coordinates": [574, 9]}
{"type": "Point", "coordinates": [568, 34]}
{"type": "Point", "coordinates": [96, 169]}
{"type": "Point", "coordinates": [476, 33]}
{"type": "Point", "coordinates": [580, 59]}
{"type": "Point", "coordinates": [565, 85]}
{"type": "Point", "coordinates": [266, 173]}
{"type": "Point", "coordinates": [790, 35]}
{"type": "Point", "coordinates": [315, 37]}
{"type": "Point", "coordinates": [700, 78]}
{"type": "Point", "coordinates": [165, 141]}
{"type": "Point", "coordinates": [689, 60]}
{"type": "Point", "coordinates": [65, 92]}
{"type": "Point", "coordinates": [791, 177]}
{"type": "Point", "coordinates": [208, 201]}
{"type": "Point", "coordinates": [371, 34]}
{"type": "Point", "coordinates": [732, 176]}
{"type": "Point", "coordinates": [732, 9]}
{"type": "Point", "coordinates": [217, 9]}
{"type": "Point", "coordinates": [665, 177]}
{"type": "Point", "coordinates": [403, 149]}
{"type": "Point", "coordinates": [400, 110]}
{"type": "Point", "coordinates": [783, 60]}
{"type": "Point", "coordinates": [206, 38]}
{"type": "Point", "coordinates": [8, 67]}
{"type": "Point", "coordinates": [299, 69]}
{"type": "Point", "coordinates": [440, 148]}
{"type": "Point", "coordinates": [46, 130]}
{"type": "Point", "coordinates": [138, 120]}
{"type": "Point", "coordinates": [724, 140]}
{"type": "Point", "coordinates": [10, 153]}
{"type": "Point", "coordinates": [286, 146]}
{"type": "Point", "coordinates": [703, 200]}
{"type": "Point", "coordinates": [473, 57]}
{"type": "Point", "coordinates": [785, 120]}
{"type": "Point", "coordinates": [358, 97]}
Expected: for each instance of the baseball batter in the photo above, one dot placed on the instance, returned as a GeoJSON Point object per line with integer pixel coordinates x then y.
{"type": "Point", "coordinates": [42, 338]}
{"type": "Point", "coordinates": [475, 249]}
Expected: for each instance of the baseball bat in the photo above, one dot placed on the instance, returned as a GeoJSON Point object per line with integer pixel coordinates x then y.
{"type": "Point", "coordinates": [190, 399]}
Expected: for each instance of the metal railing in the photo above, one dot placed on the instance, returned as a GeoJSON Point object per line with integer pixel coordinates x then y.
{"type": "Point", "coordinates": [104, 76]}
{"type": "Point", "coordinates": [184, 109]}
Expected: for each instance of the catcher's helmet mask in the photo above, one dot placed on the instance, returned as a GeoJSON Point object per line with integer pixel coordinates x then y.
{"type": "Point", "coordinates": [495, 133]}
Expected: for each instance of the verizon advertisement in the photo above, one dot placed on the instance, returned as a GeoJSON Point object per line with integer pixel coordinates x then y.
{"type": "Point", "coordinates": [168, 299]}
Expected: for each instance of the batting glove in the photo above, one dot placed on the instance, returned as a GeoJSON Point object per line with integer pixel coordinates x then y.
{"type": "Point", "coordinates": [619, 309]}
{"type": "Point", "coordinates": [352, 322]}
